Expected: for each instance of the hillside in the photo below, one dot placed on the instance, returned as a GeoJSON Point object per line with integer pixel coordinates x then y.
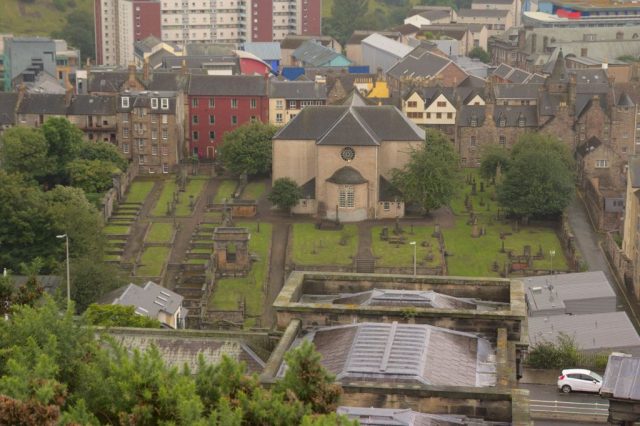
{"type": "Point", "coordinates": [38, 18]}
{"type": "Point", "coordinates": [373, 5]}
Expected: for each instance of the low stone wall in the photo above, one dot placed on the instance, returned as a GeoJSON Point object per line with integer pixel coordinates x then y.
{"type": "Point", "coordinates": [622, 265]}
{"type": "Point", "coordinates": [568, 241]}
{"type": "Point", "coordinates": [116, 194]}
{"type": "Point", "coordinates": [594, 202]}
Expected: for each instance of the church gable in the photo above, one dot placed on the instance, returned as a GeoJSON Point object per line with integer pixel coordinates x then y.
{"type": "Point", "coordinates": [349, 130]}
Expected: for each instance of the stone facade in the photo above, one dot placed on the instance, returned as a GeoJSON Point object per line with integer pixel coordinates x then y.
{"type": "Point", "coordinates": [231, 250]}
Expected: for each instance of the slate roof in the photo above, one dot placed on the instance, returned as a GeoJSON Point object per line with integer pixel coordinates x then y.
{"type": "Point", "coordinates": [146, 45]}
{"type": "Point", "coordinates": [294, 41]}
{"type": "Point", "coordinates": [434, 15]}
{"type": "Point", "coordinates": [586, 147]}
{"type": "Point", "coordinates": [227, 85]}
{"type": "Point", "coordinates": [454, 31]}
{"type": "Point", "coordinates": [624, 100]}
{"type": "Point", "coordinates": [358, 35]}
{"type": "Point", "coordinates": [371, 124]}
{"type": "Point", "coordinates": [419, 63]}
{"type": "Point", "coordinates": [297, 90]}
{"type": "Point", "coordinates": [417, 298]}
{"type": "Point", "coordinates": [410, 353]}
{"type": "Point", "coordinates": [591, 332]}
{"type": "Point", "coordinates": [405, 29]}
{"type": "Point", "coordinates": [516, 91]}
{"type": "Point", "coordinates": [407, 417]}
{"type": "Point", "coordinates": [468, 112]}
{"type": "Point", "coordinates": [43, 103]}
{"type": "Point", "coordinates": [386, 190]}
{"type": "Point", "coordinates": [92, 105]}
{"type": "Point", "coordinates": [314, 54]}
{"type": "Point", "coordinates": [167, 81]}
{"type": "Point", "coordinates": [143, 100]}
{"type": "Point", "coordinates": [309, 189]}
{"type": "Point", "coordinates": [347, 175]}
{"type": "Point", "coordinates": [8, 103]}
{"type": "Point", "coordinates": [148, 300]}
{"type": "Point", "coordinates": [513, 114]}
{"type": "Point", "coordinates": [634, 170]}
{"type": "Point", "coordinates": [621, 379]}
{"type": "Point", "coordinates": [178, 349]}
{"type": "Point", "coordinates": [106, 81]}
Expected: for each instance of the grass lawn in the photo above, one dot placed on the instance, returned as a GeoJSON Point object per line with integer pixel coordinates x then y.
{"type": "Point", "coordinates": [231, 290]}
{"type": "Point", "coordinates": [139, 190]}
{"type": "Point", "coordinates": [116, 229]}
{"type": "Point", "coordinates": [225, 191]}
{"type": "Point", "coordinates": [253, 191]}
{"type": "Point", "coordinates": [160, 233]}
{"type": "Point", "coordinates": [474, 256]}
{"type": "Point", "coordinates": [402, 254]}
{"type": "Point", "coordinates": [194, 188]}
{"type": "Point", "coordinates": [326, 244]}
{"type": "Point", "coordinates": [111, 257]}
{"type": "Point", "coordinates": [152, 261]}
{"type": "Point", "coordinates": [202, 250]}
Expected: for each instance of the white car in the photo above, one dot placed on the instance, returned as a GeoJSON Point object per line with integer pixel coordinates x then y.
{"type": "Point", "coordinates": [579, 380]}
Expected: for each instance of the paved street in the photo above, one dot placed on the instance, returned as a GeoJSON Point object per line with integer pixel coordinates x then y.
{"type": "Point", "coordinates": [550, 393]}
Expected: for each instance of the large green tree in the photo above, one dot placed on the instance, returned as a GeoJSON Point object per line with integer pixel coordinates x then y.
{"type": "Point", "coordinates": [494, 157]}
{"type": "Point", "coordinates": [65, 142]}
{"type": "Point", "coordinates": [92, 176]}
{"type": "Point", "coordinates": [479, 53]}
{"type": "Point", "coordinates": [247, 149]}
{"type": "Point", "coordinates": [343, 20]}
{"type": "Point", "coordinates": [25, 150]}
{"type": "Point", "coordinates": [431, 176]}
{"type": "Point", "coordinates": [79, 32]}
{"type": "Point", "coordinates": [103, 151]}
{"type": "Point", "coordinates": [540, 179]}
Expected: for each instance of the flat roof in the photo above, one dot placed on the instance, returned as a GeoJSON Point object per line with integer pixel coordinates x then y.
{"type": "Point", "coordinates": [595, 5]}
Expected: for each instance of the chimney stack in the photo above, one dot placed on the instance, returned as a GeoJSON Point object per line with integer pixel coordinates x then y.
{"type": "Point", "coordinates": [132, 75]}
{"type": "Point", "coordinates": [145, 70]}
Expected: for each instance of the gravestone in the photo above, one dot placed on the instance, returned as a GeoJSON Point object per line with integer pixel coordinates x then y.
{"type": "Point", "coordinates": [231, 250]}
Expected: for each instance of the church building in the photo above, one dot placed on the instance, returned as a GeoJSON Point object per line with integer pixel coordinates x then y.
{"type": "Point", "coordinates": [342, 157]}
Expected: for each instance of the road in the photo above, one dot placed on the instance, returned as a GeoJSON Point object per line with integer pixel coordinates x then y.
{"type": "Point", "coordinates": [550, 393]}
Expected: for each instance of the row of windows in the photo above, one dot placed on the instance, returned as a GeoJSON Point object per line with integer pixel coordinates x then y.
{"type": "Point", "coordinates": [154, 149]}
{"type": "Point", "coordinates": [414, 104]}
{"type": "Point", "coordinates": [155, 102]}
{"type": "Point", "coordinates": [438, 115]}
{"type": "Point", "coordinates": [195, 119]}
{"type": "Point", "coordinates": [234, 103]}
{"type": "Point", "coordinates": [142, 130]}
{"type": "Point", "coordinates": [294, 104]}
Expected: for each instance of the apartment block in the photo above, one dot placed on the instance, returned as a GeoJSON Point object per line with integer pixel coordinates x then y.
{"type": "Point", "coordinates": [120, 23]}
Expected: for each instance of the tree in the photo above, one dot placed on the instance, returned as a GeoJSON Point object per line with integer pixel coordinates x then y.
{"type": "Point", "coordinates": [92, 176]}
{"type": "Point", "coordinates": [103, 151]}
{"type": "Point", "coordinates": [430, 177]}
{"type": "Point", "coordinates": [479, 53]}
{"type": "Point", "coordinates": [247, 149]}
{"type": "Point", "coordinates": [344, 15]}
{"type": "Point", "coordinates": [285, 193]}
{"type": "Point", "coordinates": [65, 141]}
{"type": "Point", "coordinates": [118, 316]}
{"type": "Point", "coordinates": [493, 156]}
{"type": "Point", "coordinates": [79, 32]}
{"type": "Point", "coordinates": [90, 280]}
{"type": "Point", "coordinates": [307, 379]}
{"type": "Point", "coordinates": [24, 150]}
{"type": "Point", "coordinates": [539, 181]}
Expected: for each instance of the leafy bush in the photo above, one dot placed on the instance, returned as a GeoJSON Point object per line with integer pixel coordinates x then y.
{"type": "Point", "coordinates": [564, 353]}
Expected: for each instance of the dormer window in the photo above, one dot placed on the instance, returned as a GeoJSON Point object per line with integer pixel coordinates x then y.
{"type": "Point", "coordinates": [154, 103]}
{"type": "Point", "coordinates": [521, 121]}
{"type": "Point", "coordinates": [474, 121]}
{"type": "Point", "coordinates": [164, 103]}
{"type": "Point", "coordinates": [125, 102]}
{"type": "Point", "coordinates": [502, 122]}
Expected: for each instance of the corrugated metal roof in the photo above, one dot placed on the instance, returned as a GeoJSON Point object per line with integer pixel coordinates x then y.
{"type": "Point", "coordinates": [551, 291]}
{"type": "Point", "coordinates": [390, 46]}
{"type": "Point", "coordinates": [592, 332]}
{"type": "Point", "coordinates": [622, 378]}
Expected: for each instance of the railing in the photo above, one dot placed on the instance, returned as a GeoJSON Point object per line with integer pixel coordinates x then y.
{"type": "Point", "coordinates": [575, 411]}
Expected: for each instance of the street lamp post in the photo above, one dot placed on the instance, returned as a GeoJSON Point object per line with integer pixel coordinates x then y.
{"type": "Point", "coordinates": [552, 253]}
{"type": "Point", "coordinates": [66, 239]}
{"type": "Point", "coordinates": [413, 243]}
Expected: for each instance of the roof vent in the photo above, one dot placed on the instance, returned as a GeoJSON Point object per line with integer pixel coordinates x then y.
{"type": "Point", "coordinates": [536, 289]}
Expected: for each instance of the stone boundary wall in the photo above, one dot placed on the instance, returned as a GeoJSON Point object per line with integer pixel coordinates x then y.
{"type": "Point", "coordinates": [622, 266]}
{"type": "Point", "coordinates": [595, 204]}
{"type": "Point", "coordinates": [116, 194]}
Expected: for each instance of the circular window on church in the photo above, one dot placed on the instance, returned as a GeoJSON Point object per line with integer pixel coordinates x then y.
{"type": "Point", "coordinates": [348, 154]}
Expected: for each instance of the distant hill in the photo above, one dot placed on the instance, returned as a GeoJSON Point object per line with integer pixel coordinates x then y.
{"type": "Point", "coordinates": [373, 5]}
{"type": "Point", "coordinates": [40, 17]}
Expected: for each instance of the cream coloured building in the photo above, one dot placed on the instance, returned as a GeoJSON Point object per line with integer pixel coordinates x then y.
{"type": "Point", "coordinates": [288, 98]}
{"type": "Point", "coordinates": [342, 157]}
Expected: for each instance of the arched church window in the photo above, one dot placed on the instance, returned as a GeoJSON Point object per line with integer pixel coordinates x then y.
{"type": "Point", "coordinates": [347, 197]}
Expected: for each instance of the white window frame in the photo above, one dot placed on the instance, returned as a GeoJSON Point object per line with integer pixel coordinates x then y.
{"type": "Point", "coordinates": [154, 103]}
{"type": "Point", "coordinates": [164, 104]}
{"type": "Point", "coordinates": [124, 101]}
{"type": "Point", "coordinates": [125, 148]}
{"type": "Point", "coordinates": [346, 197]}
{"type": "Point", "coordinates": [602, 164]}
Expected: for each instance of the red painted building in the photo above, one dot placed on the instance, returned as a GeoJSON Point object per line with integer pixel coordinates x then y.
{"type": "Point", "coordinates": [261, 20]}
{"type": "Point", "coordinates": [311, 17]}
{"type": "Point", "coordinates": [219, 104]}
{"type": "Point", "coordinates": [147, 19]}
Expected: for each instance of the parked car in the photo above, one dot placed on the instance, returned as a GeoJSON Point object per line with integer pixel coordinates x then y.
{"type": "Point", "coordinates": [579, 380]}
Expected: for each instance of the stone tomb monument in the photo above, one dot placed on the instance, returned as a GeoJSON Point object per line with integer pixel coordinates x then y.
{"type": "Point", "coordinates": [231, 251]}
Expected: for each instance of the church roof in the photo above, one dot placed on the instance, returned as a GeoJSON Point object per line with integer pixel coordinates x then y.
{"type": "Point", "coordinates": [387, 191]}
{"type": "Point", "coordinates": [347, 176]}
{"type": "Point", "coordinates": [351, 125]}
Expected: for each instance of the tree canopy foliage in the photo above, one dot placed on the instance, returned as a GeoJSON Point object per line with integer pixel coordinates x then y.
{"type": "Point", "coordinates": [53, 370]}
{"type": "Point", "coordinates": [539, 180]}
{"type": "Point", "coordinates": [494, 157]}
{"type": "Point", "coordinates": [285, 193]}
{"type": "Point", "coordinates": [118, 316]}
{"type": "Point", "coordinates": [79, 32]}
{"type": "Point", "coordinates": [247, 149]}
{"type": "Point", "coordinates": [431, 176]}
{"type": "Point", "coordinates": [479, 53]}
